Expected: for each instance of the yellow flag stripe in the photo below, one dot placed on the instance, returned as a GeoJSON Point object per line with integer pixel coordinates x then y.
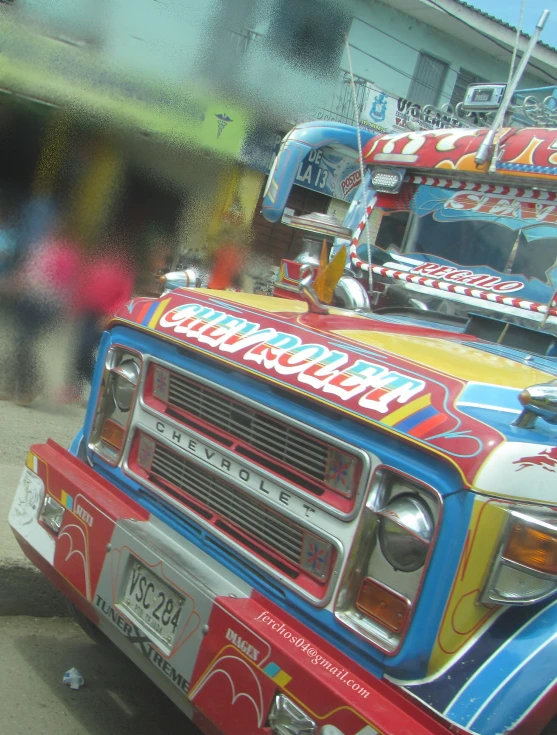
{"type": "Point", "coordinates": [158, 311]}
{"type": "Point", "coordinates": [402, 413]}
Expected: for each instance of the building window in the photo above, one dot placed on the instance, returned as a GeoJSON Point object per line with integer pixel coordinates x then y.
{"type": "Point", "coordinates": [463, 80]}
{"type": "Point", "coordinates": [428, 80]}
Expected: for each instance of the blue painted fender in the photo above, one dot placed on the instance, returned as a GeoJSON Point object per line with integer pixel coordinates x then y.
{"type": "Point", "coordinates": [501, 680]}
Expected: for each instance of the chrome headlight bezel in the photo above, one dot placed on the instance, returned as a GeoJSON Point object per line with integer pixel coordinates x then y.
{"type": "Point", "coordinates": [405, 531]}
{"type": "Point", "coordinates": [368, 563]}
{"type": "Point", "coordinates": [124, 383]}
{"type": "Point", "coordinates": [123, 367]}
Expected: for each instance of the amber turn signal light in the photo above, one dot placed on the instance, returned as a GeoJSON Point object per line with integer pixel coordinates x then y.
{"type": "Point", "coordinates": [382, 604]}
{"type": "Point", "coordinates": [532, 546]}
{"type": "Point", "coordinates": [112, 433]}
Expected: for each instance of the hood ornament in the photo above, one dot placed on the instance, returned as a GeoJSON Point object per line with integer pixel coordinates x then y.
{"type": "Point", "coordinates": [306, 290]}
{"type": "Point", "coordinates": [320, 290]}
{"type": "Point", "coordinates": [539, 401]}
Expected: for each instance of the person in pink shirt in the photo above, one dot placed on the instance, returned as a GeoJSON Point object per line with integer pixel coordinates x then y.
{"type": "Point", "coordinates": [40, 290]}
{"type": "Point", "coordinates": [106, 284]}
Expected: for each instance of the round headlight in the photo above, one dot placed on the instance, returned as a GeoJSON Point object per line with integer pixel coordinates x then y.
{"type": "Point", "coordinates": [405, 531]}
{"type": "Point", "coordinates": [125, 379]}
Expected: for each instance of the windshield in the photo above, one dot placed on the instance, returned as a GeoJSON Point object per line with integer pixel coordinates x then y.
{"type": "Point", "coordinates": [512, 238]}
{"type": "Point", "coordinates": [472, 243]}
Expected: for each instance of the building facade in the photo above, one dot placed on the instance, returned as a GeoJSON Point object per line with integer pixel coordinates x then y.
{"type": "Point", "coordinates": [199, 96]}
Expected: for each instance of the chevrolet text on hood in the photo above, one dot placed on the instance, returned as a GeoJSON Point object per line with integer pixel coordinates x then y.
{"type": "Point", "coordinates": [385, 389]}
{"type": "Point", "coordinates": [306, 519]}
{"type": "Point", "coordinates": [314, 365]}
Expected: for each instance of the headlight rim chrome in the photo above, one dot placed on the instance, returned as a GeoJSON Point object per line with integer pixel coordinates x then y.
{"type": "Point", "coordinates": [417, 523]}
{"type": "Point", "coordinates": [388, 483]}
{"type": "Point", "coordinates": [129, 377]}
{"type": "Point", "coordinates": [105, 405]}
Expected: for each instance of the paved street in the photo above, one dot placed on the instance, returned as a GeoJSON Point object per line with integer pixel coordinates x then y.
{"type": "Point", "coordinates": [117, 698]}
{"type": "Point", "coordinates": [38, 641]}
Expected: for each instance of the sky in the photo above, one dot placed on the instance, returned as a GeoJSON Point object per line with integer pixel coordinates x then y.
{"type": "Point", "coordinates": [509, 11]}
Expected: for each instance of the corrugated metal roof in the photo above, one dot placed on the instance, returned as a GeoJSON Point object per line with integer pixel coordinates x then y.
{"type": "Point", "coordinates": [502, 23]}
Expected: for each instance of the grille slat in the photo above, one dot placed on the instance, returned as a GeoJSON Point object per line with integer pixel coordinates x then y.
{"type": "Point", "coordinates": [254, 428]}
{"type": "Point", "coordinates": [237, 509]}
{"type": "Point", "coordinates": [268, 427]}
{"type": "Point", "coordinates": [179, 479]}
{"type": "Point", "coordinates": [229, 503]}
{"type": "Point", "coordinates": [287, 449]}
{"type": "Point", "coordinates": [259, 426]}
{"type": "Point", "coordinates": [216, 415]}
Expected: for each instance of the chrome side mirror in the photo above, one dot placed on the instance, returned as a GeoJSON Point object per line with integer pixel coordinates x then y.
{"type": "Point", "coordinates": [539, 401]}
{"type": "Point", "coordinates": [351, 293]}
{"type": "Point", "coordinates": [179, 279]}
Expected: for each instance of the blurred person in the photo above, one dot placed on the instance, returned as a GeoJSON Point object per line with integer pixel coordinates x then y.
{"type": "Point", "coordinates": [106, 283]}
{"type": "Point", "coordinates": [8, 238]}
{"type": "Point", "coordinates": [152, 260]}
{"type": "Point", "coordinates": [39, 291]}
{"type": "Point", "coordinates": [229, 253]}
{"type": "Point", "coordinates": [39, 222]}
{"type": "Point", "coordinates": [227, 265]}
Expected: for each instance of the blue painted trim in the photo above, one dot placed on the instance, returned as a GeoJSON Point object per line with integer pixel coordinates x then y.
{"type": "Point", "coordinates": [552, 170]}
{"type": "Point", "coordinates": [519, 667]}
{"type": "Point", "coordinates": [76, 441]}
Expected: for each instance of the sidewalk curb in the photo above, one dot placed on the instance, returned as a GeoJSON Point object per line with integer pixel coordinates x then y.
{"type": "Point", "coordinates": [25, 591]}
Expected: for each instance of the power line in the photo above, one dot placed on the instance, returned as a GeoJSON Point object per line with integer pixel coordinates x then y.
{"type": "Point", "coordinates": [486, 35]}
{"type": "Point", "coordinates": [403, 43]}
{"type": "Point", "coordinates": [402, 73]}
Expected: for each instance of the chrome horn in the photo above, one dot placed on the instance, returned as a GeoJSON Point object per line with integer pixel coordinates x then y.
{"type": "Point", "coordinates": [539, 401]}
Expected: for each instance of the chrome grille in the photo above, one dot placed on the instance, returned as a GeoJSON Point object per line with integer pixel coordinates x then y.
{"type": "Point", "coordinates": [254, 428]}
{"type": "Point", "coordinates": [259, 522]}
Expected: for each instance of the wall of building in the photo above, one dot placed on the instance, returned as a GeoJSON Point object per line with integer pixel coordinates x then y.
{"type": "Point", "coordinates": [284, 60]}
{"type": "Point", "coordinates": [160, 41]}
{"type": "Point", "coordinates": [390, 44]}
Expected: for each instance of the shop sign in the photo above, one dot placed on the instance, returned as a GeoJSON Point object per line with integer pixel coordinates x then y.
{"type": "Point", "coordinates": [330, 173]}
{"type": "Point", "coordinates": [385, 113]}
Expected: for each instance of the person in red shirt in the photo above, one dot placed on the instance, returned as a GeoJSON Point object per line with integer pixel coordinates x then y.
{"type": "Point", "coordinates": [106, 284]}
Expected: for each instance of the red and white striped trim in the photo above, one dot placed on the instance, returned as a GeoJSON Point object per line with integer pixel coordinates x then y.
{"type": "Point", "coordinates": [515, 191]}
{"type": "Point", "coordinates": [464, 290]}
{"type": "Point", "coordinates": [356, 237]}
{"type": "Point", "coordinates": [442, 285]}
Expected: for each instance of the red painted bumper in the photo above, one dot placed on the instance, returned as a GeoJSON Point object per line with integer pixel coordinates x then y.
{"type": "Point", "coordinates": [235, 653]}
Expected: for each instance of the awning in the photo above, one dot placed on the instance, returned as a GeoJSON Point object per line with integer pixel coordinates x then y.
{"type": "Point", "coordinates": [55, 73]}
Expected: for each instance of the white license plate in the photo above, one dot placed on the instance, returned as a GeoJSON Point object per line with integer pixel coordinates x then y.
{"type": "Point", "coordinates": [153, 603]}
